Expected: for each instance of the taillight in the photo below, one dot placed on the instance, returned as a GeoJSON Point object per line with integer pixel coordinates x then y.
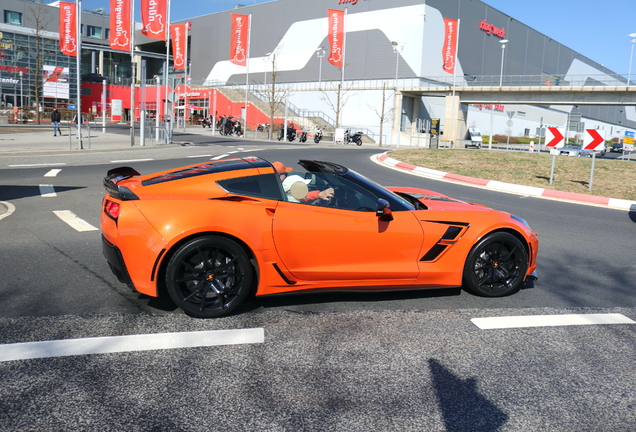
{"type": "Point", "coordinates": [112, 209]}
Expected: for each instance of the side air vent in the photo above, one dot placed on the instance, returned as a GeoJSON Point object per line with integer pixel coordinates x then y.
{"type": "Point", "coordinates": [453, 232]}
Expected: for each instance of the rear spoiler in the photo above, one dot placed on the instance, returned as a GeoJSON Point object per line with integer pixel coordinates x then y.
{"type": "Point", "coordinates": [113, 177]}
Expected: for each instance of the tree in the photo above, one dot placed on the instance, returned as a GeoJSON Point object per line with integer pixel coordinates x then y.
{"type": "Point", "coordinates": [40, 18]}
{"type": "Point", "coordinates": [274, 97]}
{"type": "Point", "coordinates": [383, 114]}
{"type": "Point", "coordinates": [341, 95]}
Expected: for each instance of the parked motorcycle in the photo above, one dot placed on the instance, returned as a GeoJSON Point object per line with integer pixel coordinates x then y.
{"type": "Point", "coordinates": [303, 137]}
{"type": "Point", "coordinates": [206, 122]}
{"type": "Point", "coordinates": [291, 133]}
{"type": "Point", "coordinates": [318, 136]}
{"type": "Point", "coordinates": [262, 127]}
{"type": "Point", "coordinates": [353, 138]}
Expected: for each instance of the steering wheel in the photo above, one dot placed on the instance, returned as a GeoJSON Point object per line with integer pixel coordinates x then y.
{"type": "Point", "coordinates": [332, 202]}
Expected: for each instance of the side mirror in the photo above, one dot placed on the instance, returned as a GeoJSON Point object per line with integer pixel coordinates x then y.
{"type": "Point", "coordinates": [383, 210]}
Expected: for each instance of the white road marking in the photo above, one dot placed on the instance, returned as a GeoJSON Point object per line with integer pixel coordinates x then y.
{"type": "Point", "coordinates": [549, 320]}
{"type": "Point", "coordinates": [47, 191]}
{"type": "Point", "coordinates": [196, 156]}
{"type": "Point", "coordinates": [37, 165]}
{"type": "Point", "coordinates": [52, 173]}
{"type": "Point", "coordinates": [220, 157]}
{"type": "Point", "coordinates": [70, 218]}
{"type": "Point", "coordinates": [10, 209]}
{"type": "Point", "coordinates": [117, 344]}
{"type": "Point", "coordinates": [130, 160]}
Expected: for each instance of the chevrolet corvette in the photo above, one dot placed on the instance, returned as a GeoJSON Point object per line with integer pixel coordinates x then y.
{"type": "Point", "coordinates": [211, 234]}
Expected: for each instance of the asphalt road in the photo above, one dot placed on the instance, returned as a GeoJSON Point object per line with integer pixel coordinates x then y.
{"type": "Point", "coordinates": [332, 362]}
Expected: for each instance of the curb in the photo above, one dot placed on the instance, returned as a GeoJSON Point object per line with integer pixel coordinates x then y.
{"type": "Point", "coordinates": [614, 203]}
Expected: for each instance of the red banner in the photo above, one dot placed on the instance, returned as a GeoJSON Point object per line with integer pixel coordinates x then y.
{"type": "Point", "coordinates": [120, 25]}
{"type": "Point", "coordinates": [68, 29]}
{"type": "Point", "coordinates": [239, 38]}
{"type": "Point", "coordinates": [178, 34]}
{"type": "Point", "coordinates": [336, 36]}
{"type": "Point", "coordinates": [449, 50]}
{"type": "Point", "coordinates": [153, 18]}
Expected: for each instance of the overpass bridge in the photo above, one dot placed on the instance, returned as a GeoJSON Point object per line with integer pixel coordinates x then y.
{"type": "Point", "coordinates": [544, 89]}
{"type": "Point", "coordinates": [596, 90]}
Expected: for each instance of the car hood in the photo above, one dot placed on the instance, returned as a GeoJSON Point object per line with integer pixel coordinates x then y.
{"type": "Point", "coordinates": [435, 200]}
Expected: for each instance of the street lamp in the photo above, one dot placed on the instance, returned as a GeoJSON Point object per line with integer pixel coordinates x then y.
{"type": "Point", "coordinates": [503, 43]}
{"type": "Point", "coordinates": [396, 50]}
{"type": "Point", "coordinates": [629, 74]}
{"type": "Point", "coordinates": [266, 61]}
{"type": "Point", "coordinates": [320, 52]}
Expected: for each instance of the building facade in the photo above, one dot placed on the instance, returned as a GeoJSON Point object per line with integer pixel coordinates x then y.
{"type": "Point", "coordinates": [393, 41]}
{"type": "Point", "coordinates": [389, 44]}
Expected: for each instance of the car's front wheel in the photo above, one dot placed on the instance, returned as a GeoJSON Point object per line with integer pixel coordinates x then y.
{"type": "Point", "coordinates": [496, 266]}
{"type": "Point", "coordinates": [209, 277]}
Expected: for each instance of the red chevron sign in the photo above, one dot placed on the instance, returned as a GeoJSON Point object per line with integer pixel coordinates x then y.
{"type": "Point", "coordinates": [554, 138]}
{"type": "Point", "coordinates": [594, 139]}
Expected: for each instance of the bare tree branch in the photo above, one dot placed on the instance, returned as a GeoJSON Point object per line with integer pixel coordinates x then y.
{"type": "Point", "coordinates": [40, 18]}
{"type": "Point", "coordinates": [383, 114]}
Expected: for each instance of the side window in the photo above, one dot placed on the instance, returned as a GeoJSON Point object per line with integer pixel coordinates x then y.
{"type": "Point", "coordinates": [259, 186]}
{"type": "Point", "coordinates": [346, 195]}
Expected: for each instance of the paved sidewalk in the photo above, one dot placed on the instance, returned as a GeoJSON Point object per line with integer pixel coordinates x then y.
{"type": "Point", "coordinates": [42, 140]}
{"type": "Point", "coordinates": [509, 187]}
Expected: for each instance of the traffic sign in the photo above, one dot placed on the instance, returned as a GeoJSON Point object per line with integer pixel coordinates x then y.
{"type": "Point", "coordinates": [72, 107]}
{"type": "Point", "coordinates": [554, 137]}
{"type": "Point", "coordinates": [594, 139]}
{"type": "Point", "coordinates": [629, 137]}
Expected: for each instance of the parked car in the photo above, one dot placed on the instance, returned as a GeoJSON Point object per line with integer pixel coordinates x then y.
{"type": "Point", "coordinates": [214, 233]}
{"type": "Point", "coordinates": [618, 147]}
{"type": "Point", "coordinates": [574, 150]}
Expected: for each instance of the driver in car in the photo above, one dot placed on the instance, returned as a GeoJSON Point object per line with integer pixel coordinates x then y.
{"type": "Point", "coordinates": [290, 181]}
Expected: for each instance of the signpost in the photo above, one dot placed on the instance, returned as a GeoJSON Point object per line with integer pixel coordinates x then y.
{"type": "Point", "coordinates": [554, 140]}
{"type": "Point", "coordinates": [594, 140]}
{"type": "Point", "coordinates": [628, 142]}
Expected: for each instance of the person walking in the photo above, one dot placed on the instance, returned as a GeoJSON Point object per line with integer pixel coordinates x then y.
{"type": "Point", "coordinates": [56, 118]}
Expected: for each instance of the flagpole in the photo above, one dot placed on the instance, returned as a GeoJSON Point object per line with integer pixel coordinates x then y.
{"type": "Point", "coordinates": [185, 80]}
{"type": "Point", "coordinates": [247, 75]}
{"type": "Point", "coordinates": [454, 120]}
{"type": "Point", "coordinates": [165, 74]}
{"type": "Point", "coordinates": [132, 66]}
{"type": "Point", "coordinates": [344, 55]}
{"type": "Point", "coordinates": [78, 63]}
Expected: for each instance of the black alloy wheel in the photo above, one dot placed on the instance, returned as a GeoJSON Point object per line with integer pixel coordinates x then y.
{"type": "Point", "coordinates": [496, 266]}
{"type": "Point", "coordinates": [209, 277]}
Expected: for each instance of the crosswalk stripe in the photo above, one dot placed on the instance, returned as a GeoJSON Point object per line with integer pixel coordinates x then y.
{"type": "Point", "coordinates": [130, 343]}
{"type": "Point", "coordinates": [75, 222]}
{"type": "Point", "coordinates": [47, 191]}
{"type": "Point", "coordinates": [52, 173]}
{"type": "Point", "coordinates": [549, 320]}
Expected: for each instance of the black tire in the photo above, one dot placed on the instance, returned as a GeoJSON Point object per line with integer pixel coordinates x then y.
{"type": "Point", "coordinates": [359, 141]}
{"type": "Point", "coordinates": [496, 266]}
{"type": "Point", "coordinates": [209, 277]}
{"type": "Point", "coordinates": [316, 140]}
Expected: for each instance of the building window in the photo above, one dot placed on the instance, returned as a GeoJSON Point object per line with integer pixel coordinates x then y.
{"type": "Point", "coordinates": [14, 18]}
{"type": "Point", "coordinates": [94, 32]}
{"type": "Point", "coordinates": [106, 33]}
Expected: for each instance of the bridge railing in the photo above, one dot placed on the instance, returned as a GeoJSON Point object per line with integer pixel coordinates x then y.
{"type": "Point", "coordinates": [447, 82]}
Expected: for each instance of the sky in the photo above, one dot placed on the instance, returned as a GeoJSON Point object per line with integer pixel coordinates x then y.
{"type": "Point", "coordinates": [597, 29]}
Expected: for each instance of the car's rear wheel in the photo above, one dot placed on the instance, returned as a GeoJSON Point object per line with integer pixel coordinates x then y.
{"type": "Point", "coordinates": [209, 277]}
{"type": "Point", "coordinates": [496, 266]}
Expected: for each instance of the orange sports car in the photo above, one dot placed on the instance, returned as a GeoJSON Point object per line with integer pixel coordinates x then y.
{"type": "Point", "coordinates": [213, 233]}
